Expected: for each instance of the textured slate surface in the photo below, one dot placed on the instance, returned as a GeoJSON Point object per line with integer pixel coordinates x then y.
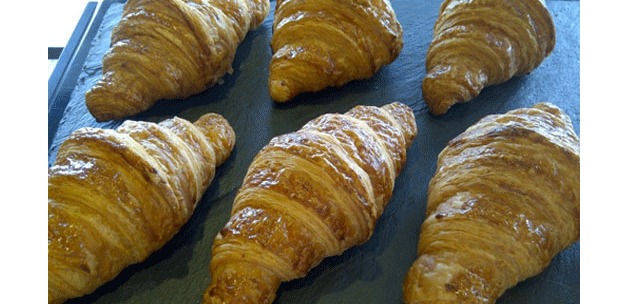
{"type": "Point", "coordinates": [370, 273]}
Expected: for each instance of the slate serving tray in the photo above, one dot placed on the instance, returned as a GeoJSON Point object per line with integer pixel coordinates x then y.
{"type": "Point", "coordinates": [374, 271]}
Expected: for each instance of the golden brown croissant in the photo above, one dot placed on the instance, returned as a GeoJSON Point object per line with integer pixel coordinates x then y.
{"type": "Point", "coordinates": [483, 42]}
{"type": "Point", "coordinates": [308, 195]}
{"type": "Point", "coordinates": [505, 199]}
{"type": "Point", "coordinates": [169, 49]}
{"type": "Point", "coordinates": [116, 196]}
{"type": "Point", "coordinates": [327, 43]}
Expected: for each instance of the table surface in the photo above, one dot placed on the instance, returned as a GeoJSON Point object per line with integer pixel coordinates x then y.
{"type": "Point", "coordinates": [369, 273]}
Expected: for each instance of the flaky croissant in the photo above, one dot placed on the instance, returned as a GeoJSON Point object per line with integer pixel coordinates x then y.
{"type": "Point", "coordinates": [483, 42]}
{"type": "Point", "coordinates": [505, 199]}
{"type": "Point", "coordinates": [308, 195]}
{"type": "Point", "coordinates": [116, 196]}
{"type": "Point", "coordinates": [169, 49]}
{"type": "Point", "coordinates": [327, 43]}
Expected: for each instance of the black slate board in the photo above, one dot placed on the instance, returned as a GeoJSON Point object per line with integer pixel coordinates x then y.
{"type": "Point", "coordinates": [374, 271]}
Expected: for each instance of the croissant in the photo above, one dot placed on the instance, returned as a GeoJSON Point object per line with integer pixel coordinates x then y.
{"type": "Point", "coordinates": [483, 42]}
{"type": "Point", "coordinates": [328, 43]}
{"type": "Point", "coordinates": [169, 49]}
{"type": "Point", "coordinates": [116, 196]}
{"type": "Point", "coordinates": [505, 199]}
{"type": "Point", "coordinates": [308, 195]}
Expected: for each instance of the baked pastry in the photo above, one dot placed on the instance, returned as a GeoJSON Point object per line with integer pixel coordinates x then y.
{"type": "Point", "coordinates": [327, 43]}
{"type": "Point", "coordinates": [116, 196]}
{"type": "Point", "coordinates": [169, 49]}
{"type": "Point", "coordinates": [308, 195]}
{"type": "Point", "coordinates": [483, 42]}
{"type": "Point", "coordinates": [505, 199]}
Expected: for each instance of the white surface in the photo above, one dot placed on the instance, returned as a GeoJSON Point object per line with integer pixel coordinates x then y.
{"type": "Point", "coordinates": [62, 18]}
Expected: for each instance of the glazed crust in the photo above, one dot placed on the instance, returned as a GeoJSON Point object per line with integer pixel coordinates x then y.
{"type": "Point", "coordinates": [327, 43]}
{"type": "Point", "coordinates": [483, 42]}
{"type": "Point", "coordinates": [116, 196]}
{"type": "Point", "coordinates": [169, 49]}
{"type": "Point", "coordinates": [505, 199]}
{"type": "Point", "coordinates": [308, 195]}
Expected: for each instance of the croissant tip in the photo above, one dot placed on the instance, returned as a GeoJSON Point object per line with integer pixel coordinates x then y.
{"type": "Point", "coordinates": [92, 106]}
{"type": "Point", "coordinates": [438, 95]}
{"type": "Point", "coordinates": [106, 104]}
{"type": "Point", "coordinates": [101, 116]}
{"type": "Point", "coordinates": [436, 110]}
{"type": "Point", "coordinates": [280, 91]}
{"type": "Point", "coordinates": [438, 107]}
{"type": "Point", "coordinates": [219, 131]}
